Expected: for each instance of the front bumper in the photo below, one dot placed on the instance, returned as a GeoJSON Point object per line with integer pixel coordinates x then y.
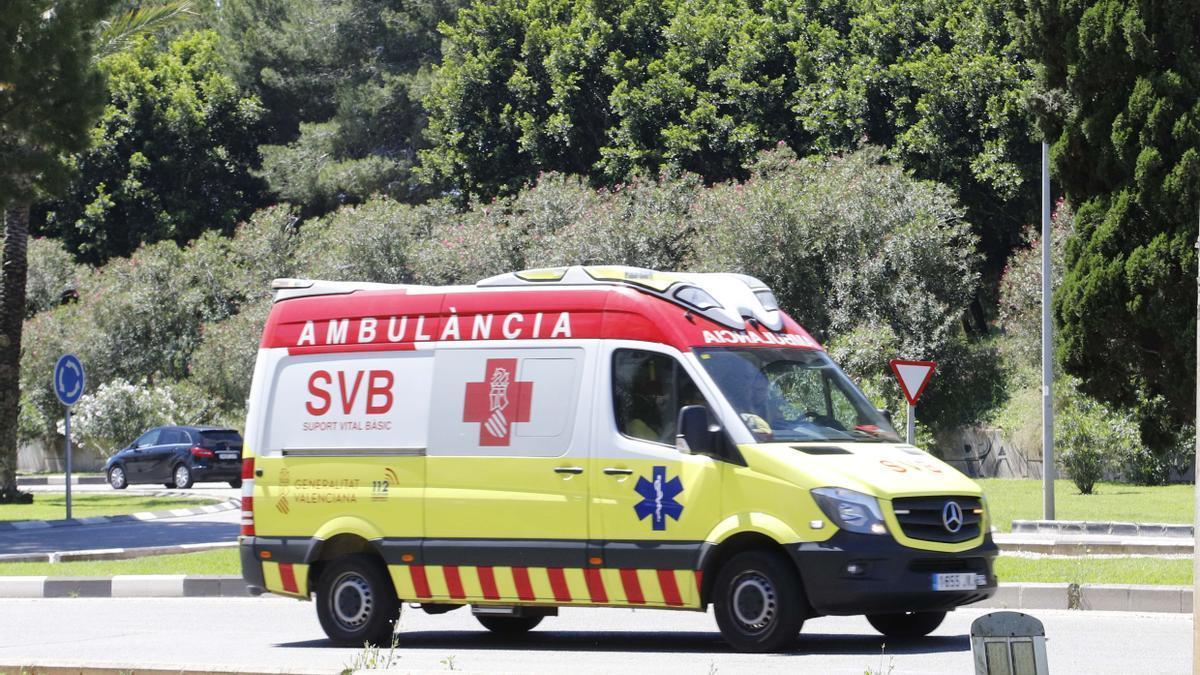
{"type": "Point", "coordinates": [893, 577]}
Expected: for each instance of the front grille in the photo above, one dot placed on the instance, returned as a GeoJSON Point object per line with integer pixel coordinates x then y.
{"type": "Point", "coordinates": [922, 518]}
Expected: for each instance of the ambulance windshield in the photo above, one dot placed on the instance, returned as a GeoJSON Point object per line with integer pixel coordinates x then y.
{"type": "Point", "coordinates": [794, 395]}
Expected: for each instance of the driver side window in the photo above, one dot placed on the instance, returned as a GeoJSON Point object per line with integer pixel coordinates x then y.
{"type": "Point", "coordinates": [147, 439]}
{"type": "Point", "coordinates": [648, 390]}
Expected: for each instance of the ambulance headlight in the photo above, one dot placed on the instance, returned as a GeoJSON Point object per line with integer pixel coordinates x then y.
{"type": "Point", "coordinates": [852, 511]}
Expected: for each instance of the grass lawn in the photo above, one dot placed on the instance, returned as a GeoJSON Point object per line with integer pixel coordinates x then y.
{"type": "Point", "coordinates": [1169, 571]}
{"type": "Point", "coordinates": [1021, 499]}
{"type": "Point", "coordinates": [221, 561]}
{"type": "Point", "coordinates": [53, 506]}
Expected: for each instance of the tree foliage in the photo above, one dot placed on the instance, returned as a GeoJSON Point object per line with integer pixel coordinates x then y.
{"type": "Point", "coordinates": [611, 90]}
{"type": "Point", "coordinates": [341, 81]}
{"type": "Point", "coordinates": [1119, 95]}
{"type": "Point", "coordinates": [171, 155]}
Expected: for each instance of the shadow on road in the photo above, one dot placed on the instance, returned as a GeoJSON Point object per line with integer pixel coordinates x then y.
{"type": "Point", "coordinates": [641, 641]}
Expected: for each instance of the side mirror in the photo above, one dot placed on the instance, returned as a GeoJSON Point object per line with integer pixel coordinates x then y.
{"type": "Point", "coordinates": [887, 415]}
{"type": "Point", "coordinates": [697, 434]}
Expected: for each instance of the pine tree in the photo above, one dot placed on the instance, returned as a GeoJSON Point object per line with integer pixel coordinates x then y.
{"type": "Point", "coordinates": [49, 95]}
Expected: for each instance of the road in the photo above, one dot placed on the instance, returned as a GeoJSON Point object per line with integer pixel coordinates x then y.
{"type": "Point", "coordinates": [205, 528]}
{"type": "Point", "coordinates": [273, 634]}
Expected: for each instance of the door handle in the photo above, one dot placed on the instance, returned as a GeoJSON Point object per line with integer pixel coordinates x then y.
{"type": "Point", "coordinates": [574, 470]}
{"type": "Point", "coordinates": [614, 471]}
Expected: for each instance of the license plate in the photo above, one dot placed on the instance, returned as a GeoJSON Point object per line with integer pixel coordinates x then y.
{"type": "Point", "coordinates": [227, 455]}
{"type": "Point", "coordinates": [956, 581]}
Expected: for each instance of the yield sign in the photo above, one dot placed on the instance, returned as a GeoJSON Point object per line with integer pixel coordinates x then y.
{"type": "Point", "coordinates": [913, 376]}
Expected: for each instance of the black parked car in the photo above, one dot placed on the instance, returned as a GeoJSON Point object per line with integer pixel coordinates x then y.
{"type": "Point", "coordinates": [178, 457]}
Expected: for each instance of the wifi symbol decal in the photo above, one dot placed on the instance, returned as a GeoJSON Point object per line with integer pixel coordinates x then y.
{"type": "Point", "coordinates": [391, 475]}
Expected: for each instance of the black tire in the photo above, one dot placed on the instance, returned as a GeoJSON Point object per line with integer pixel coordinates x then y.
{"type": "Point", "coordinates": [759, 602]}
{"type": "Point", "coordinates": [117, 477]}
{"type": "Point", "coordinates": [182, 477]}
{"type": "Point", "coordinates": [356, 602]}
{"type": "Point", "coordinates": [510, 626]}
{"type": "Point", "coordinates": [235, 483]}
{"type": "Point", "coordinates": [906, 625]}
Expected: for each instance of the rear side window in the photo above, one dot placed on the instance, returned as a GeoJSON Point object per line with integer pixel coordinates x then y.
{"type": "Point", "coordinates": [648, 390]}
{"type": "Point", "coordinates": [209, 439]}
{"type": "Point", "coordinates": [173, 437]}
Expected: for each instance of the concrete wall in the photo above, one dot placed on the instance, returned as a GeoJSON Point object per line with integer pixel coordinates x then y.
{"type": "Point", "coordinates": [41, 457]}
{"type": "Point", "coordinates": [985, 453]}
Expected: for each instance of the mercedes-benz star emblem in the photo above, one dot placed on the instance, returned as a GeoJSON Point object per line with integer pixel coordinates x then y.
{"type": "Point", "coordinates": [952, 517]}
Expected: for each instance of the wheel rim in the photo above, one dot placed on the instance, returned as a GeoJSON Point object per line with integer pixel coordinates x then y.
{"type": "Point", "coordinates": [754, 602]}
{"type": "Point", "coordinates": [181, 476]}
{"type": "Point", "coordinates": [351, 601]}
{"type": "Point", "coordinates": [116, 477]}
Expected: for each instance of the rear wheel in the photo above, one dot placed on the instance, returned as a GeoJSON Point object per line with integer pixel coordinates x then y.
{"type": "Point", "coordinates": [117, 478]}
{"type": "Point", "coordinates": [182, 476]}
{"type": "Point", "coordinates": [759, 602]}
{"type": "Point", "coordinates": [356, 601]}
{"type": "Point", "coordinates": [906, 624]}
{"type": "Point", "coordinates": [509, 625]}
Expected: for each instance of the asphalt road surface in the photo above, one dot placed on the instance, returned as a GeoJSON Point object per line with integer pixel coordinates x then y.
{"type": "Point", "coordinates": [201, 529]}
{"type": "Point", "coordinates": [272, 634]}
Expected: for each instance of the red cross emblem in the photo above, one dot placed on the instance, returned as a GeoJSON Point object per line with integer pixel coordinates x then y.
{"type": "Point", "coordinates": [498, 402]}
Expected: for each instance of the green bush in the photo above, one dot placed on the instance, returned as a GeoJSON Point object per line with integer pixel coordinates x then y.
{"type": "Point", "coordinates": [119, 411]}
{"type": "Point", "coordinates": [1090, 439]}
{"type": "Point", "coordinates": [52, 274]}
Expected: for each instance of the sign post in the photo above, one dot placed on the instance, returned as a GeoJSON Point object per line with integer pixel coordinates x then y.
{"type": "Point", "coordinates": [68, 386]}
{"type": "Point", "coordinates": [912, 376]}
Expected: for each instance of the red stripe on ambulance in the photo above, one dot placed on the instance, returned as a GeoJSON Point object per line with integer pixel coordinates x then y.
{"type": "Point", "coordinates": [521, 581]}
{"type": "Point", "coordinates": [595, 585]}
{"type": "Point", "coordinates": [287, 576]}
{"type": "Point", "coordinates": [487, 581]}
{"type": "Point", "coordinates": [558, 584]}
{"type": "Point", "coordinates": [670, 590]}
{"type": "Point", "coordinates": [453, 582]}
{"type": "Point", "coordinates": [420, 582]}
{"type": "Point", "coordinates": [633, 588]}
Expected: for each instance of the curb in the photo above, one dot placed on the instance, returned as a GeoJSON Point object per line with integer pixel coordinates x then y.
{"type": "Point", "coordinates": [1104, 528]}
{"type": "Point", "coordinates": [112, 553]}
{"type": "Point", "coordinates": [1094, 597]}
{"type": "Point", "coordinates": [227, 505]}
{"type": "Point", "coordinates": [1078, 546]}
{"type": "Point", "coordinates": [125, 586]}
{"type": "Point", "coordinates": [60, 480]}
{"type": "Point", "coordinates": [1097, 597]}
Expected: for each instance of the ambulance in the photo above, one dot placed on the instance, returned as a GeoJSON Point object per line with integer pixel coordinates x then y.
{"type": "Point", "coordinates": [587, 437]}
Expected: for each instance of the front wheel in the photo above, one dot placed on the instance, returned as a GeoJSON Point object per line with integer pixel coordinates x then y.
{"type": "Point", "coordinates": [183, 477]}
{"type": "Point", "coordinates": [509, 625]}
{"type": "Point", "coordinates": [759, 602]}
{"type": "Point", "coordinates": [356, 602]}
{"type": "Point", "coordinates": [117, 478]}
{"type": "Point", "coordinates": [906, 625]}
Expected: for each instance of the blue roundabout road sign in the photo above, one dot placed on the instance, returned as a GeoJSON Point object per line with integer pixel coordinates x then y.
{"type": "Point", "coordinates": [68, 379]}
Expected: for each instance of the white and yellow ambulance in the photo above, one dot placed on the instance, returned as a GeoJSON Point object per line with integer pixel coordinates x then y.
{"type": "Point", "coordinates": [587, 436]}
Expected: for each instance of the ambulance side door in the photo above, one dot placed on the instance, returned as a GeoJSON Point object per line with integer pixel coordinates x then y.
{"type": "Point", "coordinates": [651, 504]}
{"type": "Point", "coordinates": [505, 474]}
